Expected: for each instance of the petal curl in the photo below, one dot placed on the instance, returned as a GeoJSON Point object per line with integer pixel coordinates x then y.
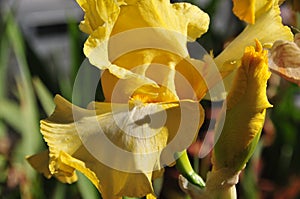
{"type": "Point", "coordinates": [284, 59]}
{"type": "Point", "coordinates": [184, 18]}
{"type": "Point", "coordinates": [98, 14]}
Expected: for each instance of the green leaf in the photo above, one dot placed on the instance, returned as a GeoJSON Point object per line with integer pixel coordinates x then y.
{"type": "Point", "coordinates": [76, 47]}
{"type": "Point", "coordinates": [59, 191]}
{"type": "Point", "coordinates": [44, 96]}
{"type": "Point", "coordinates": [4, 55]}
{"type": "Point", "coordinates": [86, 188]}
{"type": "Point", "coordinates": [10, 113]}
{"type": "Point", "coordinates": [27, 115]}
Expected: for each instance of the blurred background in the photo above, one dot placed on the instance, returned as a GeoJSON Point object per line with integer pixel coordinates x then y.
{"type": "Point", "coordinates": [40, 54]}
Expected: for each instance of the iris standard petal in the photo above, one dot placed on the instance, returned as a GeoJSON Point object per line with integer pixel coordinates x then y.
{"type": "Point", "coordinates": [250, 10]}
{"type": "Point", "coordinates": [267, 29]}
{"type": "Point", "coordinates": [144, 30]}
{"type": "Point", "coordinates": [273, 29]}
{"type": "Point", "coordinates": [184, 18]}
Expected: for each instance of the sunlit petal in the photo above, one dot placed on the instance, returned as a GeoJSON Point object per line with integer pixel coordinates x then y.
{"type": "Point", "coordinates": [82, 143]}
{"type": "Point", "coordinates": [133, 34]}
{"type": "Point", "coordinates": [267, 29]}
{"type": "Point", "coordinates": [250, 10]}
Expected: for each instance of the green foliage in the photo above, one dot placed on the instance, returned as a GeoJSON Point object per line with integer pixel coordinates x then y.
{"type": "Point", "coordinates": [24, 100]}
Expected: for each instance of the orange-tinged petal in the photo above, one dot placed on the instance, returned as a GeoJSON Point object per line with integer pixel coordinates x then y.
{"type": "Point", "coordinates": [151, 63]}
{"type": "Point", "coordinates": [245, 10]}
{"type": "Point", "coordinates": [250, 10]}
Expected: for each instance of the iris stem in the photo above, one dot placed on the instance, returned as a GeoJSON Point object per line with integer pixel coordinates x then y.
{"type": "Point", "coordinates": [184, 166]}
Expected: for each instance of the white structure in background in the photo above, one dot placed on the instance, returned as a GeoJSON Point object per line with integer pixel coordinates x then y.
{"type": "Point", "coordinates": [44, 23]}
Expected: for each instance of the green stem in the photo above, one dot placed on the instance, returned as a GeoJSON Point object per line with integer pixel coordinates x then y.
{"type": "Point", "coordinates": [185, 168]}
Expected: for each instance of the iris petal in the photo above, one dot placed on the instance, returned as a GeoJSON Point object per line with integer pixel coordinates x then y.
{"type": "Point", "coordinates": [145, 30]}
{"type": "Point", "coordinates": [250, 10]}
{"type": "Point", "coordinates": [81, 143]}
{"type": "Point", "coordinates": [267, 29]}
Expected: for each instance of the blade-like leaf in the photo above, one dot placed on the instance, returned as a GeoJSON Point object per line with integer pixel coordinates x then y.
{"type": "Point", "coordinates": [44, 96]}
{"type": "Point", "coordinates": [87, 189]}
{"type": "Point", "coordinates": [10, 113]}
{"type": "Point", "coordinates": [4, 54]}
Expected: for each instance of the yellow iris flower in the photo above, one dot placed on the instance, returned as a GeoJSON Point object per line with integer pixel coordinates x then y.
{"type": "Point", "coordinates": [131, 119]}
{"type": "Point", "coordinates": [141, 46]}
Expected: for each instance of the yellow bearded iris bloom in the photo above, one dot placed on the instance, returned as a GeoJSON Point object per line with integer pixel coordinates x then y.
{"type": "Point", "coordinates": [246, 108]}
{"type": "Point", "coordinates": [141, 45]}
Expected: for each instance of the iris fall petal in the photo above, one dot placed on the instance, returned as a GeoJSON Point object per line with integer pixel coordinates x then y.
{"type": "Point", "coordinates": [81, 144]}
